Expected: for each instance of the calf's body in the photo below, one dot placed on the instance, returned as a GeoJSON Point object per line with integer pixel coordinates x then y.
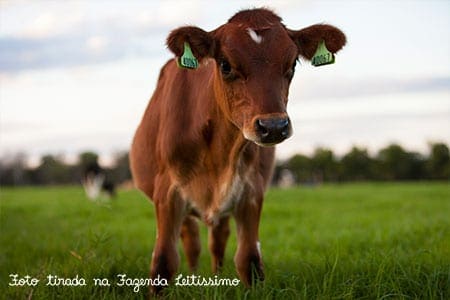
{"type": "Point", "coordinates": [203, 148]}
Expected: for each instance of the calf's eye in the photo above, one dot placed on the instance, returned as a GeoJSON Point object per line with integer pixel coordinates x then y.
{"type": "Point", "coordinates": [227, 71]}
{"type": "Point", "coordinates": [225, 67]}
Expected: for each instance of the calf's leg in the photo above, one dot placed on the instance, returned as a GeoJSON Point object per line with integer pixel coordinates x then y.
{"type": "Point", "coordinates": [170, 215]}
{"type": "Point", "coordinates": [248, 259]}
{"type": "Point", "coordinates": [217, 240]}
{"type": "Point", "coordinates": [191, 241]}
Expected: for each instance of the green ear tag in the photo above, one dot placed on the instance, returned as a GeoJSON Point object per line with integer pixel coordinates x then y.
{"type": "Point", "coordinates": [322, 56]}
{"type": "Point", "coordinates": [187, 60]}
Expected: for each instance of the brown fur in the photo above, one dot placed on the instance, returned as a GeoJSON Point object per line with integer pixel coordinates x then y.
{"type": "Point", "coordinates": [197, 151]}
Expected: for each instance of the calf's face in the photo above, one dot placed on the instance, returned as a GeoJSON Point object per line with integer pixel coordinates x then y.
{"type": "Point", "coordinates": [254, 66]}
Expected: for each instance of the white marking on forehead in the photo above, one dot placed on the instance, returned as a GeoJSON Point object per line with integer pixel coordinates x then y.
{"type": "Point", "coordinates": [255, 37]}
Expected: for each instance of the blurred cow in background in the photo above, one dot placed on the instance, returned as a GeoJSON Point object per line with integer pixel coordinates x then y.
{"type": "Point", "coordinates": [95, 182]}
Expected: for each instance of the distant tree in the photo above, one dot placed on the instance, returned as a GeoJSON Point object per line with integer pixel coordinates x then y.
{"type": "Point", "coordinates": [86, 159]}
{"type": "Point", "coordinates": [438, 163]}
{"type": "Point", "coordinates": [357, 165]}
{"type": "Point", "coordinates": [324, 165]}
{"type": "Point", "coordinates": [13, 170]}
{"type": "Point", "coordinates": [52, 170]}
{"type": "Point", "coordinates": [417, 166]}
{"type": "Point", "coordinates": [394, 163]}
{"type": "Point", "coordinates": [300, 166]}
{"type": "Point", "coordinates": [390, 162]}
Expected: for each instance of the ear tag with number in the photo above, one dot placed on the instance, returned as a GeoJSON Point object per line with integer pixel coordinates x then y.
{"type": "Point", "coordinates": [322, 56]}
{"type": "Point", "coordinates": [187, 60]}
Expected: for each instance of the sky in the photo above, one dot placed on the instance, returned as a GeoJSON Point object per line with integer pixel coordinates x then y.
{"type": "Point", "coordinates": [77, 75]}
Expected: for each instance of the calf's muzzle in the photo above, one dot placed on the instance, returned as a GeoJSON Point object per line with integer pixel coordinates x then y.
{"type": "Point", "coordinates": [272, 130]}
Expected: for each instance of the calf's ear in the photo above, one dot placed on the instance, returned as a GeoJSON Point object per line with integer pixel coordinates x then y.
{"type": "Point", "coordinates": [307, 39]}
{"type": "Point", "coordinates": [200, 41]}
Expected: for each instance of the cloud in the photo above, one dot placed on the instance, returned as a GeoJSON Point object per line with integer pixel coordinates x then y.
{"type": "Point", "coordinates": [173, 12]}
{"type": "Point", "coordinates": [43, 26]}
{"type": "Point", "coordinates": [366, 87]}
{"type": "Point", "coordinates": [23, 54]}
{"type": "Point", "coordinates": [70, 35]}
{"type": "Point", "coordinates": [97, 44]}
{"type": "Point", "coordinates": [19, 54]}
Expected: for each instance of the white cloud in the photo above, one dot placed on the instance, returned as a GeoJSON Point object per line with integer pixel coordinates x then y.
{"type": "Point", "coordinates": [177, 12]}
{"type": "Point", "coordinates": [37, 21]}
{"type": "Point", "coordinates": [97, 44]}
{"type": "Point", "coordinates": [43, 26]}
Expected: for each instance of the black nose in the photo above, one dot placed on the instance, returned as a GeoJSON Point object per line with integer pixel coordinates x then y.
{"type": "Point", "coordinates": [273, 130]}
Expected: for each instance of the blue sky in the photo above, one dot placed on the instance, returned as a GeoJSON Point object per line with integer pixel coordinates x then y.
{"type": "Point", "coordinates": [77, 75]}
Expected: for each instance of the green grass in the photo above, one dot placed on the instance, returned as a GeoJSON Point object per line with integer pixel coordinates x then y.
{"type": "Point", "coordinates": [352, 241]}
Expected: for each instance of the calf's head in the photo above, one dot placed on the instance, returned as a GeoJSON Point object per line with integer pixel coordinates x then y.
{"type": "Point", "coordinates": [255, 57]}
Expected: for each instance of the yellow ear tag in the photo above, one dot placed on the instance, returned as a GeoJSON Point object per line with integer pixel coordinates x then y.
{"type": "Point", "coordinates": [187, 60]}
{"type": "Point", "coordinates": [322, 56]}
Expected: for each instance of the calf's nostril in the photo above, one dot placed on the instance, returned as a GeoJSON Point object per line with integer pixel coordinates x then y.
{"type": "Point", "coordinates": [262, 128]}
{"type": "Point", "coordinates": [283, 124]}
{"type": "Point", "coordinates": [284, 127]}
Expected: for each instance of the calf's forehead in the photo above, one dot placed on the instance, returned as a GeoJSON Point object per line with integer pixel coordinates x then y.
{"type": "Point", "coordinates": [245, 44]}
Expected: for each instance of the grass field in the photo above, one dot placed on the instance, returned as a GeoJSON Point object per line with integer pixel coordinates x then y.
{"type": "Point", "coordinates": [352, 241]}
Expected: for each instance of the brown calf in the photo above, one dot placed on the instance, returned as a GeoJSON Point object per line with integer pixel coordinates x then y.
{"type": "Point", "coordinates": [203, 146]}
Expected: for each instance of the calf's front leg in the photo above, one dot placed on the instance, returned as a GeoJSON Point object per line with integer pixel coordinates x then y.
{"type": "Point", "coordinates": [165, 258]}
{"type": "Point", "coordinates": [248, 259]}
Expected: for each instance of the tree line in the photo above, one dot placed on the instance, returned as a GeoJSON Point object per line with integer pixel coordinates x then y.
{"type": "Point", "coordinates": [389, 164]}
{"type": "Point", "coordinates": [54, 170]}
